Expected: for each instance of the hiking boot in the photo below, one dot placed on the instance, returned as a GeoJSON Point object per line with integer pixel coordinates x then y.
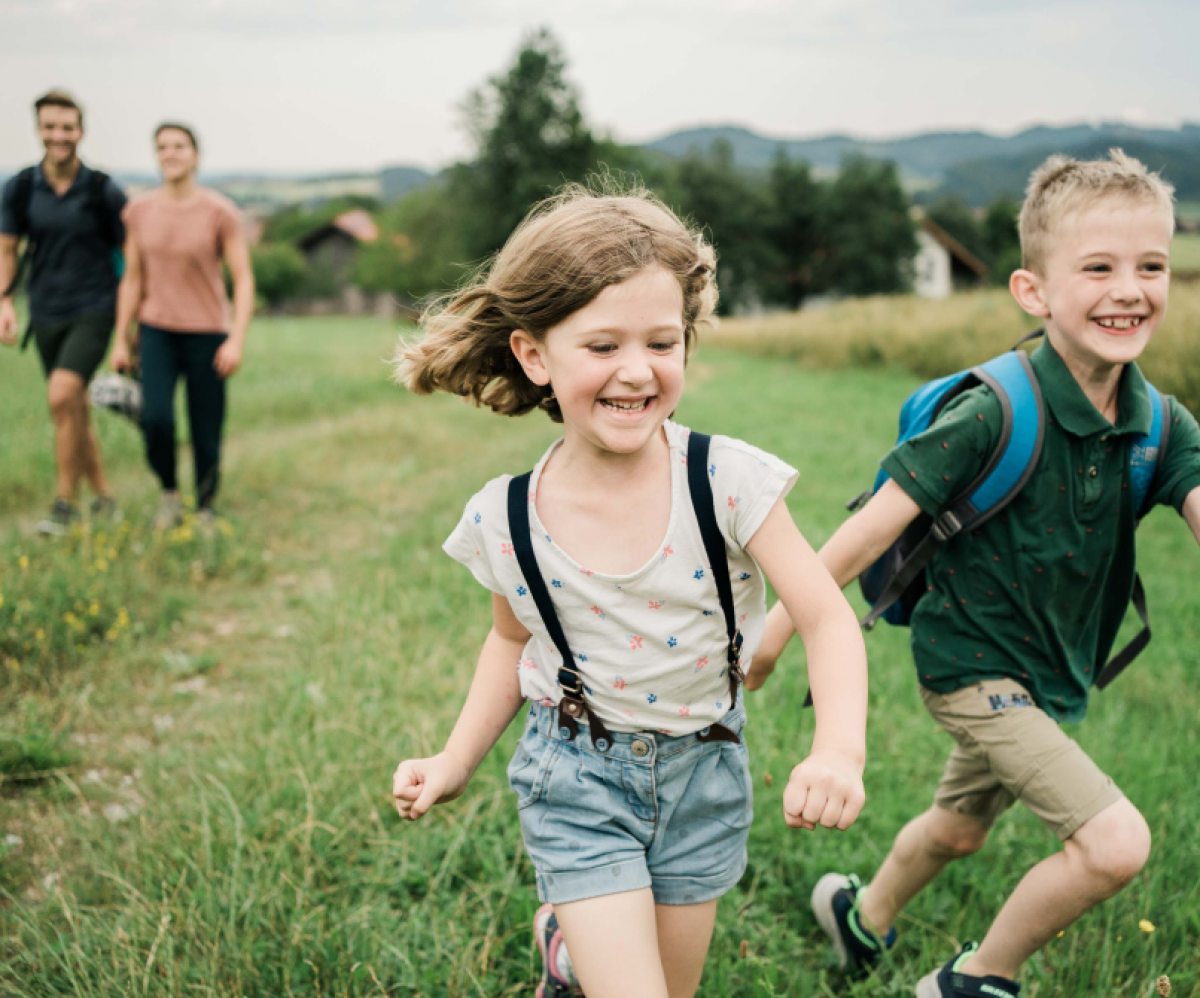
{"type": "Point", "coordinates": [60, 519]}
{"type": "Point", "coordinates": [835, 902]}
{"type": "Point", "coordinates": [950, 982]}
{"type": "Point", "coordinates": [206, 522]}
{"type": "Point", "coordinates": [558, 976]}
{"type": "Point", "coordinates": [105, 509]}
{"type": "Point", "coordinates": [170, 511]}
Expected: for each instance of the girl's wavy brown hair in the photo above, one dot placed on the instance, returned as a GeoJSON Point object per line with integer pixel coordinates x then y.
{"type": "Point", "coordinates": [568, 249]}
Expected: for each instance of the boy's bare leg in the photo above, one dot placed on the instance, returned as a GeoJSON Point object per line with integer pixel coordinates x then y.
{"type": "Point", "coordinates": [655, 960]}
{"type": "Point", "coordinates": [921, 851]}
{"type": "Point", "coordinates": [1096, 862]}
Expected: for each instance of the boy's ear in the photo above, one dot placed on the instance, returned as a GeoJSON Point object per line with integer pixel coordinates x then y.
{"type": "Point", "coordinates": [1026, 288]}
{"type": "Point", "coordinates": [529, 354]}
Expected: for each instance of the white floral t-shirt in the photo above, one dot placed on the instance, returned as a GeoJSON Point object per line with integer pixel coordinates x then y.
{"type": "Point", "coordinates": [651, 646]}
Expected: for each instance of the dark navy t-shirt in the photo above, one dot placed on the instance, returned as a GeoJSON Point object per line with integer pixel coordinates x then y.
{"type": "Point", "coordinates": [73, 271]}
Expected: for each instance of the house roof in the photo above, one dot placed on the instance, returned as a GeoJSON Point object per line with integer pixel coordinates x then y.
{"type": "Point", "coordinates": [356, 223]}
{"type": "Point", "coordinates": [952, 246]}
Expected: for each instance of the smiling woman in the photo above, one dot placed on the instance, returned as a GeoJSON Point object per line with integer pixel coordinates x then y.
{"type": "Point", "coordinates": [178, 236]}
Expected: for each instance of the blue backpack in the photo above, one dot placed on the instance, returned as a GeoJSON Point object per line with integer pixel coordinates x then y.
{"type": "Point", "coordinates": [896, 581]}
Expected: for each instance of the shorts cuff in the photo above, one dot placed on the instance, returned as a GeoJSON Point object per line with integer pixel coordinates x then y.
{"type": "Point", "coordinates": [562, 887]}
{"type": "Point", "coordinates": [1105, 799]}
{"type": "Point", "coordinates": [697, 890]}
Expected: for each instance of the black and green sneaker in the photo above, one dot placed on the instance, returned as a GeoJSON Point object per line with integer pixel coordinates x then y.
{"type": "Point", "coordinates": [951, 982]}
{"type": "Point", "coordinates": [62, 516]}
{"type": "Point", "coordinates": [835, 904]}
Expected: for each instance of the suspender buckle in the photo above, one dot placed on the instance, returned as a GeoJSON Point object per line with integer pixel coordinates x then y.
{"type": "Point", "coordinates": [569, 681]}
{"type": "Point", "coordinates": [735, 651]}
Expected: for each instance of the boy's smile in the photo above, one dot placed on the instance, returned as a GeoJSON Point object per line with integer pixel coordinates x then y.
{"type": "Point", "coordinates": [1104, 291]}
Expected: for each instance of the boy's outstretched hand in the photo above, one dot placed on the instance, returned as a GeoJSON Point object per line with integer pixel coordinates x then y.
{"type": "Point", "coordinates": [826, 789]}
{"type": "Point", "coordinates": [418, 784]}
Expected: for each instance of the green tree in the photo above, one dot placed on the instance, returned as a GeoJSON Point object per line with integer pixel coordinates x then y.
{"type": "Point", "coordinates": [870, 236]}
{"type": "Point", "coordinates": [280, 271]}
{"type": "Point", "coordinates": [421, 248]}
{"type": "Point", "coordinates": [1001, 237]}
{"type": "Point", "coordinates": [733, 208]}
{"type": "Point", "coordinates": [530, 136]}
{"type": "Point", "coordinates": [792, 230]}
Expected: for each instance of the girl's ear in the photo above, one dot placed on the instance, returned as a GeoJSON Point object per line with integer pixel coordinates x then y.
{"type": "Point", "coordinates": [1026, 288]}
{"type": "Point", "coordinates": [530, 355]}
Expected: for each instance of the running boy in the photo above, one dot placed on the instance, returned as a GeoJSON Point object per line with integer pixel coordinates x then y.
{"type": "Point", "coordinates": [1019, 617]}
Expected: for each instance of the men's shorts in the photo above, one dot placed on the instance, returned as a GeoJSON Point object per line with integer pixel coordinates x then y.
{"type": "Point", "coordinates": [77, 344]}
{"type": "Point", "coordinates": [1008, 749]}
{"type": "Point", "coordinates": [671, 813]}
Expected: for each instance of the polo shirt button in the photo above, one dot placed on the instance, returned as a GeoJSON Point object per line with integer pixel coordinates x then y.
{"type": "Point", "coordinates": [1093, 471]}
{"type": "Point", "coordinates": [639, 748]}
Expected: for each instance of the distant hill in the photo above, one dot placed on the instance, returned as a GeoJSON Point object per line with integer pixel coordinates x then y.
{"type": "Point", "coordinates": [973, 164]}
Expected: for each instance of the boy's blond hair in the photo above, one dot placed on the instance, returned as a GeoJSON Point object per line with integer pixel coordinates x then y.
{"type": "Point", "coordinates": [569, 248]}
{"type": "Point", "coordinates": [1062, 186]}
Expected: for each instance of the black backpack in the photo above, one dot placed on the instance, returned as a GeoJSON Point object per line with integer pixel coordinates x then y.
{"type": "Point", "coordinates": [110, 224]}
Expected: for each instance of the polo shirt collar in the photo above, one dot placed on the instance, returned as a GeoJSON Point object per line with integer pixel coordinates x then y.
{"type": "Point", "coordinates": [1074, 410]}
{"type": "Point", "coordinates": [39, 177]}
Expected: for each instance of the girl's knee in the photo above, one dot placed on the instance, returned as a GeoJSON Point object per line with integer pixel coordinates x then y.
{"type": "Point", "coordinates": [953, 836]}
{"type": "Point", "coordinates": [1113, 846]}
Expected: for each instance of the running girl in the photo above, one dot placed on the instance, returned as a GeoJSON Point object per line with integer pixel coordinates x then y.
{"type": "Point", "coordinates": [609, 609]}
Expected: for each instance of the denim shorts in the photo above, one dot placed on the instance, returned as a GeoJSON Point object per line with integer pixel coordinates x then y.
{"type": "Point", "coordinates": [669, 813]}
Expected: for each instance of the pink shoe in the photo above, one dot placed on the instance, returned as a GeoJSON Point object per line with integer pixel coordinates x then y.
{"type": "Point", "coordinates": [550, 940]}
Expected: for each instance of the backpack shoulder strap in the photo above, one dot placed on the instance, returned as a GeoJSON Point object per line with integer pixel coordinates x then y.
{"type": "Point", "coordinates": [22, 196]}
{"type": "Point", "coordinates": [1146, 453]}
{"type": "Point", "coordinates": [97, 200]}
{"type": "Point", "coordinates": [572, 706]}
{"type": "Point", "coordinates": [1013, 460]}
{"type": "Point", "coordinates": [700, 489]}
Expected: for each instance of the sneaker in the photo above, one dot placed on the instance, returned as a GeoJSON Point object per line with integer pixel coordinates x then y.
{"type": "Point", "coordinates": [950, 982]}
{"type": "Point", "coordinates": [105, 508]}
{"type": "Point", "coordinates": [170, 511]}
{"type": "Point", "coordinates": [60, 519]}
{"type": "Point", "coordinates": [558, 977]}
{"type": "Point", "coordinates": [835, 902]}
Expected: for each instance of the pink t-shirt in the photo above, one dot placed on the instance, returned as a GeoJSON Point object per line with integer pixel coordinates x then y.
{"type": "Point", "coordinates": [181, 245]}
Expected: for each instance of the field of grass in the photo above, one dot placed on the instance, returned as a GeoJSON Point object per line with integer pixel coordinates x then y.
{"type": "Point", "coordinates": [199, 805]}
{"type": "Point", "coordinates": [933, 338]}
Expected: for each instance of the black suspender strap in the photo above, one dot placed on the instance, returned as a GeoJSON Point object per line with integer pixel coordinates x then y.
{"type": "Point", "coordinates": [572, 706]}
{"type": "Point", "coordinates": [714, 546]}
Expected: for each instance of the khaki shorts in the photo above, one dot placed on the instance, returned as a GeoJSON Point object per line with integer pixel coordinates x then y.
{"type": "Point", "coordinates": [1008, 749]}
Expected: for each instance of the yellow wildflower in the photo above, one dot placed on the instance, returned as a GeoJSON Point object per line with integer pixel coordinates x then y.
{"type": "Point", "coordinates": [94, 609]}
{"type": "Point", "coordinates": [1146, 925]}
{"type": "Point", "coordinates": [23, 561]}
{"type": "Point", "coordinates": [101, 565]}
{"type": "Point", "coordinates": [40, 634]}
{"type": "Point", "coordinates": [1, 599]}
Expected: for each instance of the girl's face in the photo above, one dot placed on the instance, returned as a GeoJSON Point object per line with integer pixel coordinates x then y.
{"type": "Point", "coordinates": [616, 365]}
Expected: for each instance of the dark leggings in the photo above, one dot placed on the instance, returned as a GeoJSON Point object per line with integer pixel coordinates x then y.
{"type": "Point", "coordinates": [164, 357]}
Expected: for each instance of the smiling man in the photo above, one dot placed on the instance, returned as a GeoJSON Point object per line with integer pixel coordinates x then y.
{"type": "Point", "coordinates": [70, 216]}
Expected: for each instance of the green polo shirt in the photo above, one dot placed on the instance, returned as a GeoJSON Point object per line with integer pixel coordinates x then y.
{"type": "Point", "coordinates": [1038, 593]}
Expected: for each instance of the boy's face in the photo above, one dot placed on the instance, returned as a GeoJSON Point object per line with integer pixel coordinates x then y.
{"type": "Point", "coordinates": [1104, 290]}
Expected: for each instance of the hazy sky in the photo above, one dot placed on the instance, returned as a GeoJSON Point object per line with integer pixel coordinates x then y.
{"type": "Point", "coordinates": [330, 84]}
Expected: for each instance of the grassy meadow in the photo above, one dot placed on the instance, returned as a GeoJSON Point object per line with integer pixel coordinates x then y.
{"type": "Point", "coordinates": [194, 778]}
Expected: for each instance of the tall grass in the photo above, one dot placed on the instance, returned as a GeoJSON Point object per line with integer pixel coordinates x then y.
{"type": "Point", "coordinates": [933, 338]}
{"type": "Point", "coordinates": [204, 810]}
